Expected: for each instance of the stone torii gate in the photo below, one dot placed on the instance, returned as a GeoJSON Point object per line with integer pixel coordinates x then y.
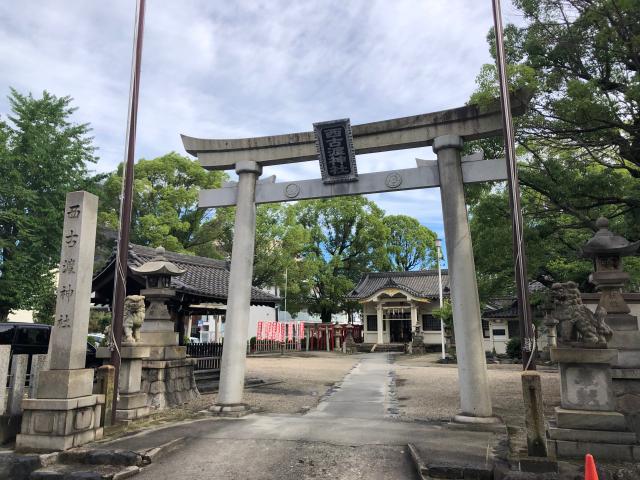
{"type": "Point", "coordinates": [446, 132]}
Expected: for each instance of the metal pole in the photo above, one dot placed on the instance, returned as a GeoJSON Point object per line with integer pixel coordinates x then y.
{"type": "Point", "coordinates": [286, 281]}
{"type": "Point", "coordinates": [524, 308]}
{"type": "Point", "coordinates": [120, 273]}
{"type": "Point", "coordinates": [438, 246]}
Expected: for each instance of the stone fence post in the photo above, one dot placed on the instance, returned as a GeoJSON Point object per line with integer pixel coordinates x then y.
{"type": "Point", "coordinates": [5, 356]}
{"type": "Point", "coordinates": [18, 379]}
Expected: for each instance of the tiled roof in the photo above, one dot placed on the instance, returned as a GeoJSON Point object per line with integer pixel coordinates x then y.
{"type": "Point", "coordinates": [420, 283]}
{"type": "Point", "coordinates": [508, 311]}
{"type": "Point", "coordinates": [204, 277]}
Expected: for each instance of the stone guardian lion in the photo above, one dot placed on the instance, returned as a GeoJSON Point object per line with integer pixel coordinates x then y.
{"type": "Point", "coordinates": [576, 323]}
{"type": "Point", "coordinates": [133, 317]}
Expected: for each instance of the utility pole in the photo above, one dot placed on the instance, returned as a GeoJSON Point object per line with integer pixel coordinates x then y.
{"type": "Point", "coordinates": [286, 282]}
{"type": "Point", "coordinates": [121, 267]}
{"type": "Point", "coordinates": [527, 334]}
{"type": "Point", "coordinates": [438, 247]}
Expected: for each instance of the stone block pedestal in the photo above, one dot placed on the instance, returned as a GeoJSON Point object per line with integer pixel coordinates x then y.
{"type": "Point", "coordinates": [626, 387]}
{"type": "Point", "coordinates": [132, 402]}
{"type": "Point", "coordinates": [587, 421]}
{"type": "Point", "coordinates": [59, 424]}
{"type": "Point", "coordinates": [65, 383]}
{"type": "Point", "coordinates": [167, 377]}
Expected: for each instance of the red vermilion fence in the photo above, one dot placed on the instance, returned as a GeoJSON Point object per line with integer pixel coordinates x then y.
{"type": "Point", "coordinates": [316, 337]}
{"type": "Point", "coordinates": [328, 337]}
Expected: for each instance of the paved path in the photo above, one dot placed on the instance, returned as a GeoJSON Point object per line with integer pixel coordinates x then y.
{"type": "Point", "coordinates": [352, 434]}
{"type": "Point", "coordinates": [365, 392]}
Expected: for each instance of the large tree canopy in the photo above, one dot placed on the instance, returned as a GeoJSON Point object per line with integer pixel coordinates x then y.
{"type": "Point", "coordinates": [347, 238]}
{"type": "Point", "coordinates": [579, 144]}
{"type": "Point", "coordinates": [43, 155]}
{"type": "Point", "coordinates": [410, 245]}
{"type": "Point", "coordinates": [165, 205]}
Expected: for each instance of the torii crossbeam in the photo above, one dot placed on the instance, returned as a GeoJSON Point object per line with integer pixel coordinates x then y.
{"type": "Point", "coordinates": [474, 170]}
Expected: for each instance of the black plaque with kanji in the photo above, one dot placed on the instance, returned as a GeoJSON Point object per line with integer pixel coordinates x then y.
{"type": "Point", "coordinates": [334, 142]}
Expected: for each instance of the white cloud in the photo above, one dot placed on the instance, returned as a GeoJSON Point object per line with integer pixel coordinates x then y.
{"type": "Point", "coordinates": [250, 68]}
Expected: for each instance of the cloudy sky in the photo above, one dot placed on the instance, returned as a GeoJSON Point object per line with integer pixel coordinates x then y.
{"type": "Point", "coordinates": [225, 69]}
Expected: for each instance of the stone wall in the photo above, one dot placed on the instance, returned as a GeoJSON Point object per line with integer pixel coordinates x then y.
{"type": "Point", "coordinates": [169, 383]}
{"type": "Point", "coordinates": [626, 388]}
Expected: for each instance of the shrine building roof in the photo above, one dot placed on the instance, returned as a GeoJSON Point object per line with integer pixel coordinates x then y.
{"type": "Point", "coordinates": [419, 283]}
{"type": "Point", "coordinates": [204, 280]}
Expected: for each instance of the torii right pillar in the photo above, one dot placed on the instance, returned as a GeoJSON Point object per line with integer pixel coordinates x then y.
{"type": "Point", "coordinates": [475, 399]}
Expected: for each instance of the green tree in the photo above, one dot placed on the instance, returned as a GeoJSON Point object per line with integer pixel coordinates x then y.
{"type": "Point", "coordinates": [445, 313]}
{"type": "Point", "coordinates": [579, 143]}
{"type": "Point", "coordinates": [98, 321]}
{"type": "Point", "coordinates": [165, 205]}
{"type": "Point", "coordinates": [347, 238]}
{"type": "Point", "coordinates": [410, 245]}
{"type": "Point", "coordinates": [43, 156]}
{"type": "Point", "coordinates": [279, 250]}
{"type": "Point", "coordinates": [44, 301]}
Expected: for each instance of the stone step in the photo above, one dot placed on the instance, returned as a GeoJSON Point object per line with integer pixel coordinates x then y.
{"type": "Point", "coordinates": [601, 436]}
{"type": "Point", "coordinates": [90, 456]}
{"type": "Point", "coordinates": [80, 471]}
{"type": "Point", "coordinates": [207, 371]}
{"type": "Point", "coordinates": [380, 347]}
{"type": "Point", "coordinates": [604, 451]}
{"type": "Point", "coordinates": [590, 420]}
{"type": "Point", "coordinates": [208, 386]}
{"type": "Point", "coordinates": [432, 464]}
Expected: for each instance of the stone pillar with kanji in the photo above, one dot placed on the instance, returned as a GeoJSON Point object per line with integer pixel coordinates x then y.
{"type": "Point", "coordinates": [65, 412]}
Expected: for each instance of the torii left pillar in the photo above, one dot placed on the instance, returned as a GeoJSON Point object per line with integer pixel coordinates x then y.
{"type": "Point", "coordinates": [232, 369]}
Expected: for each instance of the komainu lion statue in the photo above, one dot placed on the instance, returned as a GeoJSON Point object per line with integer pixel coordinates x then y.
{"type": "Point", "coordinates": [576, 323]}
{"type": "Point", "coordinates": [133, 318]}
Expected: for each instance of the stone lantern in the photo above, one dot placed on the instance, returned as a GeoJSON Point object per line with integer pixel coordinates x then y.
{"type": "Point", "coordinates": [167, 373]}
{"type": "Point", "coordinates": [158, 329]}
{"type": "Point", "coordinates": [599, 373]}
{"type": "Point", "coordinates": [607, 249]}
{"type": "Point", "coordinates": [349, 345]}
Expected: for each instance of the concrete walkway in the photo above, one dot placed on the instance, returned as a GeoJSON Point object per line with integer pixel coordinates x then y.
{"type": "Point", "coordinates": [352, 434]}
{"type": "Point", "coordinates": [366, 392]}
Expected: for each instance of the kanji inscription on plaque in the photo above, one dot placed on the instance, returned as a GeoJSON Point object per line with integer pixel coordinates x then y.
{"type": "Point", "coordinates": [334, 142]}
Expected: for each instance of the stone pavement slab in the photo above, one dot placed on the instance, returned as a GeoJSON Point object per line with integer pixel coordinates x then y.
{"type": "Point", "coordinates": [216, 445]}
{"type": "Point", "coordinates": [365, 392]}
{"type": "Point", "coordinates": [352, 434]}
{"type": "Point", "coordinates": [281, 459]}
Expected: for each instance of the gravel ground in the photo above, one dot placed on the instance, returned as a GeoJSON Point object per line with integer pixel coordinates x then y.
{"type": "Point", "coordinates": [427, 390]}
{"type": "Point", "coordinates": [300, 381]}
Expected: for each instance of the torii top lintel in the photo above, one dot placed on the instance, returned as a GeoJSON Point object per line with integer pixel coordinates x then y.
{"type": "Point", "coordinates": [470, 122]}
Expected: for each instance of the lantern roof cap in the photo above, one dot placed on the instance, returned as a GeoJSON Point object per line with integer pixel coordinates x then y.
{"type": "Point", "coordinates": [158, 265]}
{"type": "Point", "coordinates": [605, 241]}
